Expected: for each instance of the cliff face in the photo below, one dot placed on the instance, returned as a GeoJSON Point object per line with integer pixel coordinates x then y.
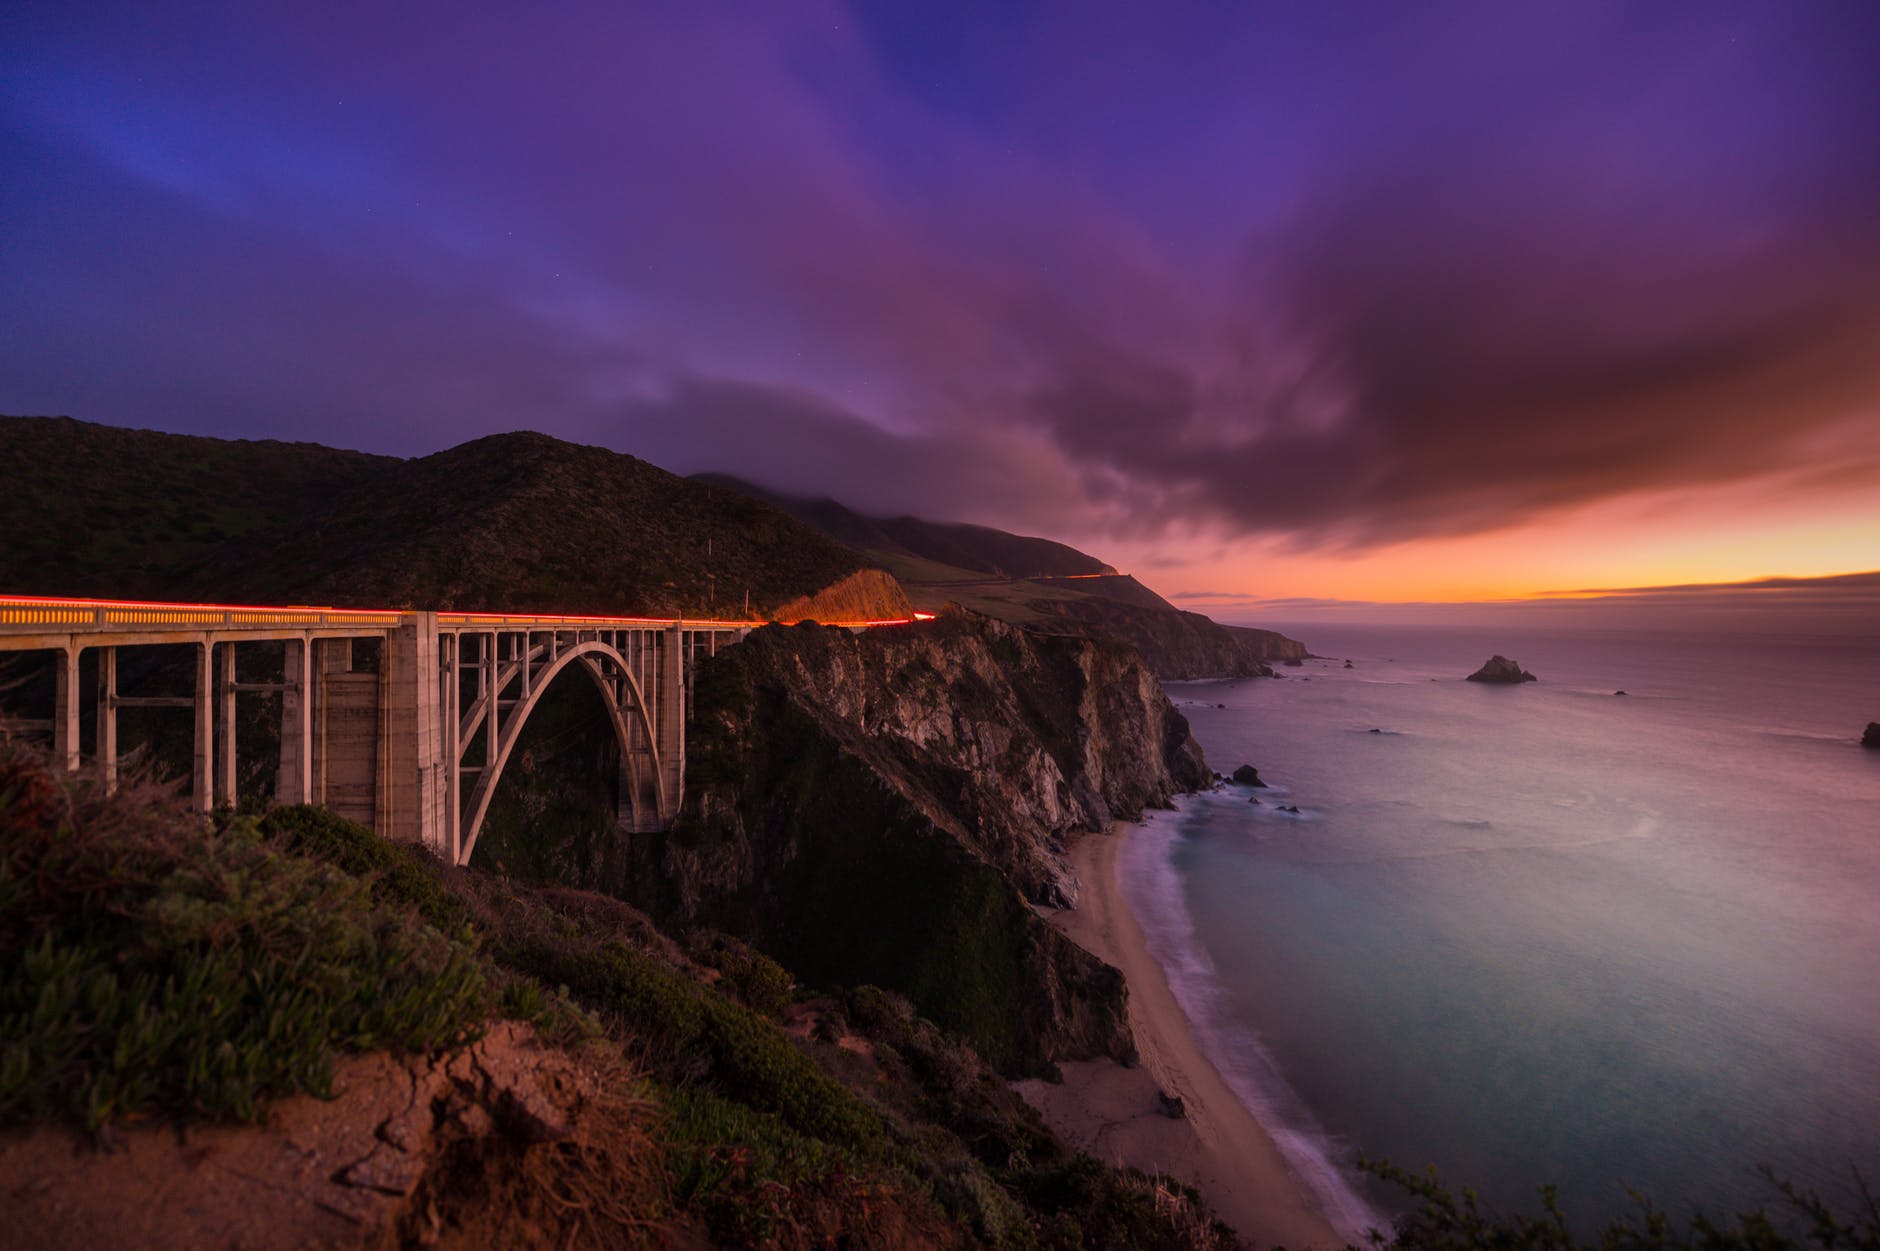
{"type": "Point", "coordinates": [879, 809]}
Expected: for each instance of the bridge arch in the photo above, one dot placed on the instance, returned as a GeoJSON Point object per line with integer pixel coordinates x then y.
{"type": "Point", "coordinates": [642, 788]}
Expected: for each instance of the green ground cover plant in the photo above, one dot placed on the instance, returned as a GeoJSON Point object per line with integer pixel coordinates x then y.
{"type": "Point", "coordinates": [151, 964]}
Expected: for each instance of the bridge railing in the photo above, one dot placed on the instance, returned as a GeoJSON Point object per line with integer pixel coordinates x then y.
{"type": "Point", "coordinates": [35, 614]}
{"type": "Point", "coordinates": [32, 614]}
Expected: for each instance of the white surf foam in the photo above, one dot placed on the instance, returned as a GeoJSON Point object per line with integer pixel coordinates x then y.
{"type": "Point", "coordinates": [1153, 889]}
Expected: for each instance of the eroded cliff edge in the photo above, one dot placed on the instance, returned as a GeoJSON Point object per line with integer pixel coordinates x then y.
{"type": "Point", "coordinates": [882, 808]}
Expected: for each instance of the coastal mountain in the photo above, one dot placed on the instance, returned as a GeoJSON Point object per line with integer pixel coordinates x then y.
{"type": "Point", "coordinates": [1037, 583]}
{"type": "Point", "coordinates": [509, 522]}
{"type": "Point", "coordinates": [526, 522]}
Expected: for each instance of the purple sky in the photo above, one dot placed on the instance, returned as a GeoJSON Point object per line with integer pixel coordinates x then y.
{"type": "Point", "coordinates": [1330, 276]}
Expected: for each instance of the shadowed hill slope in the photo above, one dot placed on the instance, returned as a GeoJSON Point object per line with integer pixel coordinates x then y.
{"type": "Point", "coordinates": [512, 521]}
{"type": "Point", "coordinates": [524, 521]}
{"type": "Point", "coordinates": [101, 511]}
{"type": "Point", "coordinates": [979, 548]}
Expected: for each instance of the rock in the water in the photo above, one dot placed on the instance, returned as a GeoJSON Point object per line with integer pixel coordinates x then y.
{"type": "Point", "coordinates": [1872, 737]}
{"type": "Point", "coordinates": [1501, 669]}
{"type": "Point", "coordinates": [1247, 775]}
{"type": "Point", "coordinates": [1618, 692]}
{"type": "Point", "coordinates": [1375, 730]}
{"type": "Point", "coordinates": [1349, 665]}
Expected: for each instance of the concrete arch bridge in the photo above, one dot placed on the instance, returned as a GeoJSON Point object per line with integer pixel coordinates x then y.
{"type": "Point", "coordinates": [403, 721]}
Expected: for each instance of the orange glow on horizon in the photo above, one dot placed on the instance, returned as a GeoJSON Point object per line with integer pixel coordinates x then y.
{"type": "Point", "coordinates": [1740, 534]}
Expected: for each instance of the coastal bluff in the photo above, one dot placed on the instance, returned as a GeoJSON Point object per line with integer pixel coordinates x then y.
{"type": "Point", "coordinates": [889, 808]}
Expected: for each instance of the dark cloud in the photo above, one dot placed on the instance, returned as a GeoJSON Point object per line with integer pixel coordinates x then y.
{"type": "Point", "coordinates": [802, 445]}
{"type": "Point", "coordinates": [1347, 276]}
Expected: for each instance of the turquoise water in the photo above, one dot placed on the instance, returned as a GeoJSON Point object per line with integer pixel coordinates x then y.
{"type": "Point", "coordinates": [1541, 933]}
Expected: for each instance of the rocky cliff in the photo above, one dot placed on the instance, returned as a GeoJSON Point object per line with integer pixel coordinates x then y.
{"type": "Point", "coordinates": [882, 809]}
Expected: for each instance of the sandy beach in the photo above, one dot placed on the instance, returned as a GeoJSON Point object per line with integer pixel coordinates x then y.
{"type": "Point", "coordinates": [1114, 1112]}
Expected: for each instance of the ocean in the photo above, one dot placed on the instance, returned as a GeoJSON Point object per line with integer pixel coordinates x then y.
{"type": "Point", "coordinates": [1538, 934]}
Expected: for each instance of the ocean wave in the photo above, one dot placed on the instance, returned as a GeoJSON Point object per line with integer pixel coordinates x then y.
{"type": "Point", "coordinates": [1243, 1061]}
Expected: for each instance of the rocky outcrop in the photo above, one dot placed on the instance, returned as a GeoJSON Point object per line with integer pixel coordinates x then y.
{"type": "Point", "coordinates": [865, 595]}
{"type": "Point", "coordinates": [1247, 775]}
{"type": "Point", "coordinates": [1872, 736]}
{"type": "Point", "coordinates": [1501, 670]}
{"type": "Point", "coordinates": [882, 808]}
{"type": "Point", "coordinates": [360, 1170]}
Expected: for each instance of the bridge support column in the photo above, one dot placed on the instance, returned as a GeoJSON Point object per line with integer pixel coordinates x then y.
{"type": "Point", "coordinates": [201, 775]}
{"type": "Point", "coordinates": [294, 782]}
{"type": "Point", "coordinates": [225, 725]}
{"type": "Point", "coordinates": [65, 735]}
{"type": "Point", "coordinates": [450, 722]}
{"type": "Point", "coordinates": [671, 723]}
{"type": "Point", "coordinates": [107, 718]}
{"type": "Point", "coordinates": [412, 802]}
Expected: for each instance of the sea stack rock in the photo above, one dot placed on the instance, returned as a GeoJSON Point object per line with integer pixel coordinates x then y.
{"type": "Point", "coordinates": [1247, 775]}
{"type": "Point", "coordinates": [1503, 670]}
{"type": "Point", "coordinates": [1872, 737]}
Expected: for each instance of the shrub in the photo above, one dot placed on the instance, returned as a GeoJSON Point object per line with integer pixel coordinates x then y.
{"type": "Point", "coordinates": [152, 965]}
{"type": "Point", "coordinates": [399, 874]}
{"type": "Point", "coordinates": [748, 1057]}
{"type": "Point", "coordinates": [1442, 1221]}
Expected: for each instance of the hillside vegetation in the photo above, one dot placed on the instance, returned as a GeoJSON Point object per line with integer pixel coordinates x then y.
{"type": "Point", "coordinates": [90, 510]}
{"type": "Point", "coordinates": [506, 1065]}
{"type": "Point", "coordinates": [508, 522]}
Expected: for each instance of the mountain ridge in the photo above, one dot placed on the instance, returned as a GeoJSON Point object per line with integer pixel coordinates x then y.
{"type": "Point", "coordinates": [1038, 583]}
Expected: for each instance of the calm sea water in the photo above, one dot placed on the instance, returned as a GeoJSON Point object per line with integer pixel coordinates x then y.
{"type": "Point", "coordinates": [1539, 933]}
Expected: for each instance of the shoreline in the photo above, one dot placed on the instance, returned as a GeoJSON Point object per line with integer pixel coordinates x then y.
{"type": "Point", "coordinates": [1114, 1113]}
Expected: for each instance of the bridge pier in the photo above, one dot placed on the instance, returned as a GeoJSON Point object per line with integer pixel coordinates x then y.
{"type": "Point", "coordinates": [670, 718]}
{"type": "Point", "coordinates": [201, 777]}
{"type": "Point", "coordinates": [226, 783]}
{"type": "Point", "coordinates": [107, 717]}
{"type": "Point", "coordinates": [411, 800]}
{"type": "Point", "coordinates": [65, 744]}
{"type": "Point", "coordinates": [294, 779]}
